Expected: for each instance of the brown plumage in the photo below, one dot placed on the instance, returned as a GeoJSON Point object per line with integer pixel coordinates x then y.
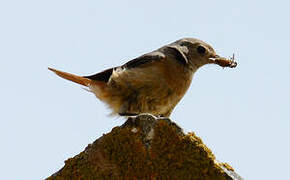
{"type": "Point", "coordinates": [152, 83]}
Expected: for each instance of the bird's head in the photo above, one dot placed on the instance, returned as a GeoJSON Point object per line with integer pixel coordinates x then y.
{"type": "Point", "coordinates": [197, 53]}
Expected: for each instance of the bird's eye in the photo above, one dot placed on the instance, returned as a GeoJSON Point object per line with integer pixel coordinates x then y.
{"type": "Point", "coordinates": [200, 49]}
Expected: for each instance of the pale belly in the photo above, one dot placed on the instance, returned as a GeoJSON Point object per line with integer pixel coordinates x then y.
{"type": "Point", "coordinates": [148, 90]}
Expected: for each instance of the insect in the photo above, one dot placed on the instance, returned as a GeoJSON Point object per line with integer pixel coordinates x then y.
{"type": "Point", "coordinates": [225, 62]}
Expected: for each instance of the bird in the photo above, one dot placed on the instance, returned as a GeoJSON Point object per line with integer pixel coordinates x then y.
{"type": "Point", "coordinates": [152, 83]}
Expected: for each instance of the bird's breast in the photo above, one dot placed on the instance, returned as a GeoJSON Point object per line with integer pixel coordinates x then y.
{"type": "Point", "coordinates": [152, 89]}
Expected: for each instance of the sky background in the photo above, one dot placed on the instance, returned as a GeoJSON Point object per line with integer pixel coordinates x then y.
{"type": "Point", "coordinates": [241, 114]}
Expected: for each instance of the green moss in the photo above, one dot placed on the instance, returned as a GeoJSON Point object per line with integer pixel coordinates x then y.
{"type": "Point", "coordinates": [181, 157]}
{"type": "Point", "coordinates": [121, 154]}
{"type": "Point", "coordinates": [83, 167]}
{"type": "Point", "coordinates": [125, 149]}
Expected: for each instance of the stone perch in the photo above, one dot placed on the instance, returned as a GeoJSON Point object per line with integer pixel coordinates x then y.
{"type": "Point", "coordinates": [146, 147]}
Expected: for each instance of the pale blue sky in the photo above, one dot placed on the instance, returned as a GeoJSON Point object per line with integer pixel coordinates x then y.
{"type": "Point", "coordinates": [242, 114]}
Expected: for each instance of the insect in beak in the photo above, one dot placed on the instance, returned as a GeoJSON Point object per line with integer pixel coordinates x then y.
{"type": "Point", "coordinates": [224, 62]}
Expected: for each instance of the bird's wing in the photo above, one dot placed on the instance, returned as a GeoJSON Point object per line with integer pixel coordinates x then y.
{"type": "Point", "coordinates": [104, 76]}
{"type": "Point", "coordinates": [173, 52]}
{"type": "Point", "coordinates": [145, 59]}
{"type": "Point", "coordinates": [140, 62]}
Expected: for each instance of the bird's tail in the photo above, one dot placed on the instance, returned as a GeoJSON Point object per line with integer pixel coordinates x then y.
{"type": "Point", "coordinates": [74, 78]}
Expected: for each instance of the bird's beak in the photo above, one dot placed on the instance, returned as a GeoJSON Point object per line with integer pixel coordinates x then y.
{"type": "Point", "coordinates": [224, 62]}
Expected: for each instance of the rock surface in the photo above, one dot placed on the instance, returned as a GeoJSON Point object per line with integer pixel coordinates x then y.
{"type": "Point", "coordinates": [146, 147]}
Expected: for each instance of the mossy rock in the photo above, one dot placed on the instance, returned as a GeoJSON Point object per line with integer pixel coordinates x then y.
{"type": "Point", "coordinates": [144, 147]}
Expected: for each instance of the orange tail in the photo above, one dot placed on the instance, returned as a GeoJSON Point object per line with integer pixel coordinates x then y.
{"type": "Point", "coordinates": [77, 79]}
